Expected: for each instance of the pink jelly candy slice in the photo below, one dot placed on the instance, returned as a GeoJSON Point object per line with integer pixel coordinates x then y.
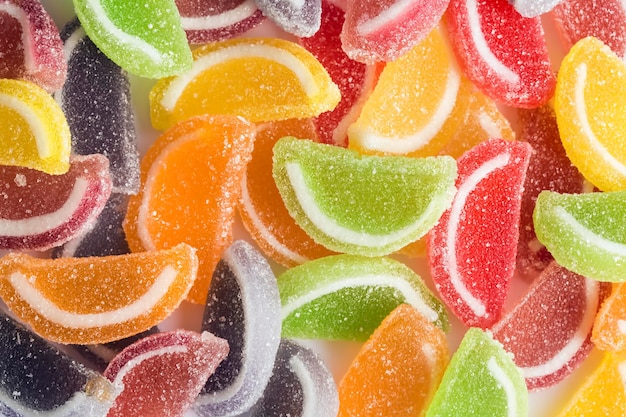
{"type": "Point", "coordinates": [301, 18]}
{"type": "Point", "coordinates": [382, 30]}
{"type": "Point", "coordinates": [548, 332]}
{"type": "Point", "coordinates": [214, 20]}
{"type": "Point", "coordinates": [40, 211]}
{"type": "Point", "coordinates": [502, 52]}
{"type": "Point", "coordinates": [162, 374]}
{"type": "Point", "coordinates": [30, 44]}
{"type": "Point", "coordinates": [471, 251]}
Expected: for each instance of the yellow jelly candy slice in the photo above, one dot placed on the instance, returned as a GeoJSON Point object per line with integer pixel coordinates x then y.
{"type": "Point", "coordinates": [417, 105]}
{"type": "Point", "coordinates": [261, 79]}
{"type": "Point", "coordinates": [589, 106]}
{"type": "Point", "coordinates": [34, 131]}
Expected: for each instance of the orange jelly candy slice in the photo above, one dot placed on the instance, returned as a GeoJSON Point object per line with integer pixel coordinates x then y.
{"type": "Point", "coordinates": [97, 299]}
{"type": "Point", "coordinates": [262, 210]}
{"type": "Point", "coordinates": [609, 329]}
{"type": "Point", "coordinates": [398, 369]}
{"type": "Point", "coordinates": [191, 182]}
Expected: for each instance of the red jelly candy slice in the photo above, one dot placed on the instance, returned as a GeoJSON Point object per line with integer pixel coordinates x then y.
{"type": "Point", "coordinates": [502, 52]}
{"type": "Point", "coordinates": [162, 374]}
{"type": "Point", "coordinates": [471, 251]}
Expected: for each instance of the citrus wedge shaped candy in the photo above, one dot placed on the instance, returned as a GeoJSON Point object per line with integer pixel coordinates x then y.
{"type": "Point", "coordinates": [363, 205]}
{"type": "Point", "coordinates": [191, 181]}
{"type": "Point", "coordinates": [609, 328]}
{"type": "Point", "coordinates": [144, 37]}
{"type": "Point", "coordinates": [346, 297]}
{"type": "Point", "coordinates": [481, 381]}
{"type": "Point", "coordinates": [99, 299]}
{"type": "Point", "coordinates": [242, 77]}
{"type": "Point", "coordinates": [588, 106]}
{"type": "Point", "coordinates": [398, 370]}
{"type": "Point", "coordinates": [586, 233]}
{"type": "Point", "coordinates": [417, 104]}
{"type": "Point", "coordinates": [300, 18]}
{"type": "Point", "coordinates": [35, 133]}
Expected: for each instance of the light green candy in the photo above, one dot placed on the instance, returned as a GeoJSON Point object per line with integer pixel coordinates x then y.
{"type": "Point", "coordinates": [346, 297]}
{"type": "Point", "coordinates": [144, 37]}
{"type": "Point", "coordinates": [586, 233]}
{"type": "Point", "coordinates": [480, 381]}
{"type": "Point", "coordinates": [361, 205]}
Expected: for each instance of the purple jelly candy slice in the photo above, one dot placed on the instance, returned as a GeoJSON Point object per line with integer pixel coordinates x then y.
{"type": "Point", "coordinates": [300, 18]}
{"type": "Point", "coordinates": [96, 103]}
{"type": "Point", "coordinates": [243, 307]}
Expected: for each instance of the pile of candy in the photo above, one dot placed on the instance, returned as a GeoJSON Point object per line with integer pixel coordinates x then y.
{"type": "Point", "coordinates": [362, 140]}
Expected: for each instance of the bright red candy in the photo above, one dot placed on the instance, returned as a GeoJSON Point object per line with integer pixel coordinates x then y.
{"type": "Point", "coordinates": [471, 251]}
{"type": "Point", "coordinates": [502, 52]}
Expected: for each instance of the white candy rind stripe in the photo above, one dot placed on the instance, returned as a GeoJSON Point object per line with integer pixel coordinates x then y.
{"type": "Point", "coordinates": [221, 20]}
{"type": "Point", "coordinates": [33, 120]}
{"type": "Point", "coordinates": [505, 383]}
{"type": "Point", "coordinates": [388, 15]}
{"type": "Point", "coordinates": [589, 237]}
{"type": "Point", "coordinates": [128, 366]}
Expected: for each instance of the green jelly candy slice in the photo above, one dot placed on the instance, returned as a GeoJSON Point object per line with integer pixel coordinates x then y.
{"type": "Point", "coordinates": [144, 37]}
{"type": "Point", "coordinates": [361, 205]}
{"type": "Point", "coordinates": [481, 381]}
{"type": "Point", "coordinates": [346, 297]}
{"type": "Point", "coordinates": [586, 233]}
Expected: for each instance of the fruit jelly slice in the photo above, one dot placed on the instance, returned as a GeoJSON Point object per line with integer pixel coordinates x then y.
{"type": "Point", "coordinates": [300, 18]}
{"type": "Point", "coordinates": [609, 329]}
{"type": "Point", "coordinates": [534, 8]}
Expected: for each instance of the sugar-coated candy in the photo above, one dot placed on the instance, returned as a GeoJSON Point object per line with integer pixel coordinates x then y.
{"type": "Point", "coordinates": [37, 379]}
{"type": "Point", "coordinates": [398, 370]}
{"type": "Point", "coordinates": [240, 77]}
{"type": "Point", "coordinates": [503, 53]}
{"type": "Point", "coordinates": [99, 299]}
{"type": "Point", "coordinates": [586, 233]}
{"type": "Point", "coordinates": [534, 8]}
{"type": "Point", "coordinates": [346, 297]}
{"type": "Point", "coordinates": [385, 30]}
{"type": "Point", "coordinates": [191, 182]}
{"type": "Point", "coordinates": [144, 37]}
{"type": "Point", "coordinates": [558, 310]}
{"type": "Point", "coordinates": [358, 204]}
{"type": "Point", "coordinates": [417, 105]}
{"type": "Point", "coordinates": [609, 328]}
{"type": "Point", "coordinates": [30, 45]}
{"type": "Point", "coordinates": [243, 307]}
{"type": "Point", "coordinates": [588, 104]}
{"type": "Point", "coordinates": [215, 20]}
{"type": "Point", "coordinates": [300, 386]}
{"type": "Point", "coordinates": [472, 250]}
{"type": "Point", "coordinates": [301, 18]}
{"type": "Point", "coordinates": [96, 103]}
{"type": "Point", "coordinates": [162, 374]}
{"type": "Point", "coordinates": [40, 211]}
{"type": "Point", "coordinates": [481, 381]}
{"type": "Point", "coordinates": [35, 133]}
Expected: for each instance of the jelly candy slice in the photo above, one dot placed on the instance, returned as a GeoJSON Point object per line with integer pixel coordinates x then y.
{"type": "Point", "coordinates": [398, 370]}
{"type": "Point", "coordinates": [69, 300]}
{"type": "Point", "coordinates": [243, 307]}
{"type": "Point", "coordinates": [534, 8]}
{"type": "Point", "coordinates": [215, 20]}
{"type": "Point", "coordinates": [480, 381]}
{"type": "Point", "coordinates": [263, 212]}
{"type": "Point", "coordinates": [602, 393]}
{"type": "Point", "coordinates": [346, 297]}
{"type": "Point", "coordinates": [40, 211]}
{"type": "Point", "coordinates": [162, 374]}
{"type": "Point", "coordinates": [191, 182]}
{"type": "Point", "coordinates": [30, 45]}
{"type": "Point", "coordinates": [471, 251]}
{"type": "Point", "coordinates": [503, 53]}
{"type": "Point", "coordinates": [225, 79]}
{"type": "Point", "coordinates": [301, 385]}
{"type": "Point", "coordinates": [358, 204]}
{"type": "Point", "coordinates": [143, 37]}
{"type": "Point", "coordinates": [38, 379]}
{"type": "Point", "coordinates": [549, 169]}
{"type": "Point", "coordinates": [586, 233]}
{"type": "Point", "coordinates": [609, 329]}
{"type": "Point", "coordinates": [385, 30]}
{"type": "Point", "coordinates": [301, 18]}
{"type": "Point", "coordinates": [588, 106]}
{"type": "Point", "coordinates": [417, 105]}
{"type": "Point", "coordinates": [559, 310]}
{"type": "Point", "coordinates": [96, 102]}
{"type": "Point", "coordinates": [34, 131]}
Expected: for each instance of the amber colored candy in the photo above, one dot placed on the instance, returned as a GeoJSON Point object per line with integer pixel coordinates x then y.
{"type": "Point", "coordinates": [191, 181]}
